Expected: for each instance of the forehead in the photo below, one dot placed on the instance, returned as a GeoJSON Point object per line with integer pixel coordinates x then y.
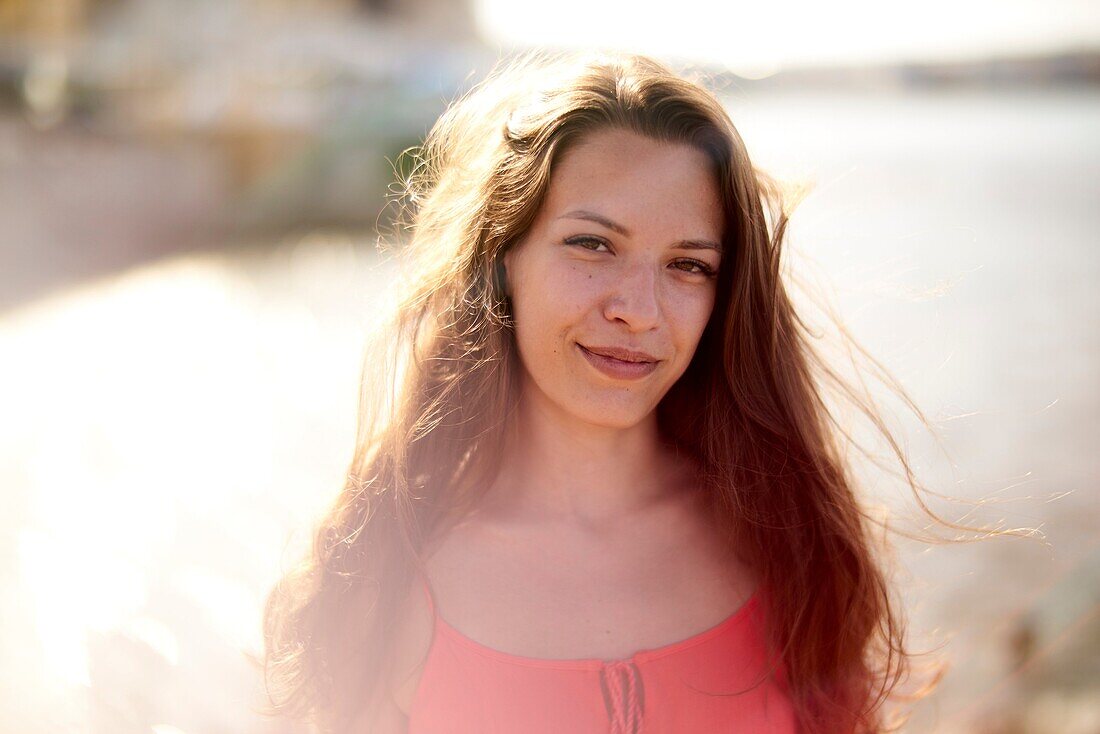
{"type": "Point", "coordinates": [624, 175]}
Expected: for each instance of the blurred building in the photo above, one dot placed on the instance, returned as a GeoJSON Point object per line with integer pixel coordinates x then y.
{"type": "Point", "coordinates": [265, 82]}
{"type": "Point", "coordinates": [201, 122]}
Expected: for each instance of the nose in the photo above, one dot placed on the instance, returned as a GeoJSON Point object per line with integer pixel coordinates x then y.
{"type": "Point", "coordinates": [634, 298]}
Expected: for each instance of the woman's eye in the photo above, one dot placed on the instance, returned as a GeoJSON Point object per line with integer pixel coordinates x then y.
{"type": "Point", "coordinates": [588, 243]}
{"type": "Point", "coordinates": [592, 244]}
{"type": "Point", "coordinates": [694, 266]}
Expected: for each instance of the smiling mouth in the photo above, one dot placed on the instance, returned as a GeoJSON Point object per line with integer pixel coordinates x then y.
{"type": "Point", "coordinates": [617, 369]}
{"type": "Point", "coordinates": [620, 355]}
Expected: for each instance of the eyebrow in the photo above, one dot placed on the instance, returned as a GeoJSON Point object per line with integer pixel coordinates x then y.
{"type": "Point", "coordinates": [620, 229]}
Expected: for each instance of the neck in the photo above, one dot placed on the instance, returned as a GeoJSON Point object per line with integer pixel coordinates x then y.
{"type": "Point", "coordinates": [560, 469]}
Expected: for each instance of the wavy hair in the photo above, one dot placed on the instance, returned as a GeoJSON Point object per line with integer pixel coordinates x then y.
{"type": "Point", "coordinates": [439, 390]}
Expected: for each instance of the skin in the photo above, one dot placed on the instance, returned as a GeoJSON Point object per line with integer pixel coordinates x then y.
{"type": "Point", "coordinates": [590, 543]}
{"type": "Point", "coordinates": [589, 451]}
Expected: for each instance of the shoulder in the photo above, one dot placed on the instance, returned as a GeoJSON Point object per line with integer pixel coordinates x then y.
{"type": "Point", "coordinates": [387, 712]}
{"type": "Point", "coordinates": [414, 630]}
{"type": "Point", "coordinates": [413, 635]}
{"type": "Point", "coordinates": [379, 717]}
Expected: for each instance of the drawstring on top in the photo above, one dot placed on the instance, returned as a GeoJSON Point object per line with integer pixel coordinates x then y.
{"type": "Point", "coordinates": [623, 695]}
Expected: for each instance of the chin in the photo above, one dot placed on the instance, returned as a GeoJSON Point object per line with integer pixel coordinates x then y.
{"type": "Point", "coordinates": [610, 417]}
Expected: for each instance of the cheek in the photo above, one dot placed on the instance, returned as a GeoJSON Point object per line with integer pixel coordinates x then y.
{"type": "Point", "coordinates": [688, 330]}
{"type": "Point", "coordinates": [560, 295]}
{"type": "Point", "coordinates": [692, 314]}
{"type": "Point", "coordinates": [544, 307]}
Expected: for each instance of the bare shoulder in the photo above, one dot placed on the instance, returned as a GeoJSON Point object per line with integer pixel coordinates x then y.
{"type": "Point", "coordinates": [381, 717]}
{"type": "Point", "coordinates": [388, 712]}
{"type": "Point", "coordinates": [412, 643]}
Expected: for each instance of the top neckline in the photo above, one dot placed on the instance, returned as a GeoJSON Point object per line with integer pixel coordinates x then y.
{"type": "Point", "coordinates": [737, 617]}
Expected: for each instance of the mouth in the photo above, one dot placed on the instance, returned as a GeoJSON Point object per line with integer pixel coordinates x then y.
{"type": "Point", "coordinates": [620, 354]}
{"type": "Point", "coordinates": [634, 368]}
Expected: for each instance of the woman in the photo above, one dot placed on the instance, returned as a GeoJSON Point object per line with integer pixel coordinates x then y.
{"type": "Point", "coordinates": [597, 488]}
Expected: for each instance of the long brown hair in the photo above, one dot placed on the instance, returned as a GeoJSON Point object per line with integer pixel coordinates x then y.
{"type": "Point", "coordinates": [439, 389]}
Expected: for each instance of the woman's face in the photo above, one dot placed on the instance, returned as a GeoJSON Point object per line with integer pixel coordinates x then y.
{"type": "Point", "coordinates": [622, 256]}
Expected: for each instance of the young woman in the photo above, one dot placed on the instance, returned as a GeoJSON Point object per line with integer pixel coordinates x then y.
{"type": "Point", "coordinates": [596, 487]}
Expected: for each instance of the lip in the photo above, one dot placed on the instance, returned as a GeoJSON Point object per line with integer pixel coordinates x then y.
{"type": "Point", "coordinates": [620, 369]}
{"type": "Point", "coordinates": [622, 355]}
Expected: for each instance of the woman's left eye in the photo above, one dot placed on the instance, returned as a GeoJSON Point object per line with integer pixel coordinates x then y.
{"type": "Point", "coordinates": [699, 266]}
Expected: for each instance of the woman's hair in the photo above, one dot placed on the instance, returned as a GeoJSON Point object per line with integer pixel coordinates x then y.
{"type": "Point", "coordinates": [438, 393]}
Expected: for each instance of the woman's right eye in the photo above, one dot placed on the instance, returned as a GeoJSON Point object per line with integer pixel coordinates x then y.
{"type": "Point", "coordinates": [586, 241]}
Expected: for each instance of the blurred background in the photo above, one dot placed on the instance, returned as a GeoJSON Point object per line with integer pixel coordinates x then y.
{"type": "Point", "coordinates": [190, 197]}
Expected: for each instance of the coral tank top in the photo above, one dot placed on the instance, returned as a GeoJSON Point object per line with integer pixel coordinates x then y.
{"type": "Point", "coordinates": [719, 680]}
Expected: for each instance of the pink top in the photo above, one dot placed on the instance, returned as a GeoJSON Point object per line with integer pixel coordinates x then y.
{"type": "Point", "coordinates": [718, 680]}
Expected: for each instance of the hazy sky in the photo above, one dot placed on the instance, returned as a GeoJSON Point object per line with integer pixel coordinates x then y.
{"type": "Point", "coordinates": [771, 33]}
